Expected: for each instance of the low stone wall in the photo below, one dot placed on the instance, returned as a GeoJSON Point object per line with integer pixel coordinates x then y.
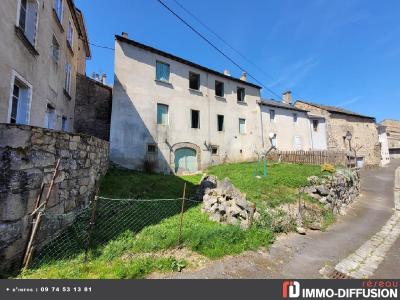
{"type": "Point", "coordinates": [335, 191]}
{"type": "Point", "coordinates": [28, 157]}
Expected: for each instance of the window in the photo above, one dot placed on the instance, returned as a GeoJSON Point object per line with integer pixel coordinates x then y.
{"type": "Point", "coordinates": [27, 19]}
{"type": "Point", "coordinates": [297, 143]}
{"type": "Point", "coordinates": [162, 114]}
{"type": "Point", "coordinates": [55, 50]}
{"type": "Point", "coordinates": [220, 119]}
{"type": "Point", "coordinates": [64, 123]}
{"type": "Point", "coordinates": [162, 71]}
{"type": "Point", "coordinates": [194, 81]}
{"type": "Point", "coordinates": [272, 115]}
{"type": "Point", "coordinates": [241, 93]}
{"type": "Point", "coordinates": [295, 118]}
{"type": "Point", "coordinates": [214, 150]}
{"type": "Point", "coordinates": [20, 98]}
{"type": "Point", "coordinates": [67, 84]}
{"type": "Point", "coordinates": [273, 141]}
{"type": "Point", "coordinates": [70, 34]}
{"type": "Point", "coordinates": [50, 117]}
{"type": "Point", "coordinates": [242, 126]}
{"type": "Point", "coordinates": [58, 8]}
{"type": "Point", "coordinates": [151, 149]}
{"type": "Point", "coordinates": [195, 119]}
{"type": "Point", "coordinates": [219, 89]}
{"type": "Point", "coordinates": [315, 125]}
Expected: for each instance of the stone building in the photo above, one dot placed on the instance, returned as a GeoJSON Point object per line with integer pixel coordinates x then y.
{"type": "Point", "coordinates": [383, 141]}
{"type": "Point", "coordinates": [43, 46]}
{"type": "Point", "coordinates": [393, 136]}
{"type": "Point", "coordinates": [341, 125]}
{"type": "Point", "coordinates": [172, 115]}
{"type": "Point", "coordinates": [290, 126]}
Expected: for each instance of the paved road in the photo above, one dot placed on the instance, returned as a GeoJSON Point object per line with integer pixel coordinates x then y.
{"type": "Point", "coordinates": [296, 256]}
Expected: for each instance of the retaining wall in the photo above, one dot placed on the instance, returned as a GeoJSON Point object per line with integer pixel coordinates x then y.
{"type": "Point", "coordinates": [27, 158]}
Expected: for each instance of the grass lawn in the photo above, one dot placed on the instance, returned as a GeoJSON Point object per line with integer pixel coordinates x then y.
{"type": "Point", "coordinates": [130, 237]}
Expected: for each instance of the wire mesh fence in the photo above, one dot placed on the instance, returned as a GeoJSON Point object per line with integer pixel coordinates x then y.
{"type": "Point", "coordinates": [104, 220]}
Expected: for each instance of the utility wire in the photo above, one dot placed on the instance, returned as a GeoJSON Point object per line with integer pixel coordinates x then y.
{"type": "Point", "coordinates": [103, 47]}
{"type": "Point", "coordinates": [217, 49]}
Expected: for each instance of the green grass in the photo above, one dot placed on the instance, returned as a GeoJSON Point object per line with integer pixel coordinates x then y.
{"type": "Point", "coordinates": [280, 186]}
{"type": "Point", "coordinates": [131, 237]}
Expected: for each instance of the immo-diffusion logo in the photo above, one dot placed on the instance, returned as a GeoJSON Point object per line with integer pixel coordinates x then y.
{"type": "Point", "coordinates": [291, 289]}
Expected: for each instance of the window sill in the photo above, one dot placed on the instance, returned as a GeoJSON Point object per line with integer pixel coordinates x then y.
{"type": "Point", "coordinates": [196, 92]}
{"type": "Point", "coordinates": [70, 48]}
{"type": "Point", "coordinates": [220, 98]}
{"type": "Point", "coordinates": [21, 35]}
{"type": "Point", "coordinates": [58, 21]}
{"type": "Point", "coordinates": [67, 95]}
{"type": "Point", "coordinates": [242, 102]}
{"type": "Point", "coordinates": [164, 83]}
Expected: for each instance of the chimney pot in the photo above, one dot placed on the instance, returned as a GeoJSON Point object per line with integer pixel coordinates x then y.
{"type": "Point", "coordinates": [244, 76]}
{"type": "Point", "coordinates": [104, 79]}
{"type": "Point", "coordinates": [227, 72]}
{"type": "Point", "coordinates": [287, 97]}
{"type": "Point", "coordinates": [125, 35]}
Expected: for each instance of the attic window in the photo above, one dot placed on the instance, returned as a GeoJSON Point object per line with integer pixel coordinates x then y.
{"type": "Point", "coordinates": [315, 125]}
{"type": "Point", "coordinates": [194, 81]}
{"type": "Point", "coordinates": [219, 88]}
{"type": "Point", "coordinates": [241, 93]}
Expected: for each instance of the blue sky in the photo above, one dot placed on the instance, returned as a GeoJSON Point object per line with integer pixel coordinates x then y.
{"type": "Point", "coordinates": [337, 52]}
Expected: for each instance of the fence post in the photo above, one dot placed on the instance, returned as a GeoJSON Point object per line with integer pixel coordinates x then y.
{"type": "Point", "coordinates": [91, 224]}
{"type": "Point", "coordinates": [182, 211]}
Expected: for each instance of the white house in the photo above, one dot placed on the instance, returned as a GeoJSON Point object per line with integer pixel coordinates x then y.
{"type": "Point", "coordinates": [383, 140]}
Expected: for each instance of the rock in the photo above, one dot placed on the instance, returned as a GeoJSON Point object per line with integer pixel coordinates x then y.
{"type": "Point", "coordinates": [300, 230]}
{"type": "Point", "coordinates": [323, 200]}
{"type": "Point", "coordinates": [322, 190]}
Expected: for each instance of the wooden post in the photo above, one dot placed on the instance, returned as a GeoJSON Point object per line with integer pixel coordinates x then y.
{"type": "Point", "coordinates": [182, 211]}
{"type": "Point", "coordinates": [29, 249]}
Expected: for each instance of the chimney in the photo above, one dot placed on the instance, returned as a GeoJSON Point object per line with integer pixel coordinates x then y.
{"type": "Point", "coordinates": [125, 35]}
{"type": "Point", "coordinates": [104, 79]}
{"type": "Point", "coordinates": [244, 76]}
{"type": "Point", "coordinates": [287, 97]}
{"type": "Point", "coordinates": [227, 73]}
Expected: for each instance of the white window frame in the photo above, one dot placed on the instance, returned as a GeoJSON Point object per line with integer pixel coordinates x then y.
{"type": "Point", "coordinates": [36, 23]}
{"type": "Point", "coordinates": [16, 75]}
{"type": "Point", "coordinates": [67, 83]}
{"type": "Point", "coordinates": [70, 34]}
{"type": "Point", "coordinates": [245, 126]}
{"type": "Point", "coordinates": [61, 17]}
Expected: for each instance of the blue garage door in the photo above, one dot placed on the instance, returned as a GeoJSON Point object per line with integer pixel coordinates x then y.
{"type": "Point", "coordinates": [185, 160]}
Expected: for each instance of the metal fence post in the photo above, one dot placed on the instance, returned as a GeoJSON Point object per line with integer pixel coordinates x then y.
{"type": "Point", "coordinates": [182, 211]}
{"type": "Point", "coordinates": [91, 225]}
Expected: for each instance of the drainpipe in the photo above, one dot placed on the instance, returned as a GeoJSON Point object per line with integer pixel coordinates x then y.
{"type": "Point", "coordinates": [262, 125]}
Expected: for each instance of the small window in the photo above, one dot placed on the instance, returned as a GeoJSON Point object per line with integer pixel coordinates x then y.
{"type": "Point", "coordinates": [214, 150]}
{"type": "Point", "coordinates": [272, 115]}
{"type": "Point", "coordinates": [27, 19]}
{"type": "Point", "coordinates": [151, 149]}
{"type": "Point", "coordinates": [295, 118]}
{"type": "Point", "coordinates": [162, 114]}
{"type": "Point", "coordinates": [67, 84]}
{"type": "Point", "coordinates": [58, 8]}
{"type": "Point", "coordinates": [55, 50]}
{"type": "Point", "coordinates": [220, 120]}
{"type": "Point", "coordinates": [219, 89]}
{"type": "Point", "coordinates": [315, 125]}
{"type": "Point", "coordinates": [70, 35]}
{"type": "Point", "coordinates": [241, 93]}
{"type": "Point", "coordinates": [64, 124]}
{"type": "Point", "coordinates": [242, 126]}
{"type": "Point", "coordinates": [194, 81]}
{"type": "Point", "coordinates": [19, 103]}
{"type": "Point", "coordinates": [50, 117]}
{"type": "Point", "coordinates": [195, 122]}
{"type": "Point", "coordinates": [274, 141]}
{"type": "Point", "coordinates": [162, 71]}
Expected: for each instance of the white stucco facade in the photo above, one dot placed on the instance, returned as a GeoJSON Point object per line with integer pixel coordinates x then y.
{"type": "Point", "coordinates": [134, 125]}
{"type": "Point", "coordinates": [383, 140]}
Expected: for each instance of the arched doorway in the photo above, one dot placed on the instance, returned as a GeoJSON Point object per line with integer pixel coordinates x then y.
{"type": "Point", "coordinates": [186, 160]}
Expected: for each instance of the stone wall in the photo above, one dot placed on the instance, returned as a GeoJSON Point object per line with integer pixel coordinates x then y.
{"type": "Point", "coordinates": [28, 157]}
{"type": "Point", "coordinates": [93, 108]}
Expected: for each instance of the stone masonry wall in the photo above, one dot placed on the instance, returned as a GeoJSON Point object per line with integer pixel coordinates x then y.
{"type": "Point", "coordinates": [93, 106]}
{"type": "Point", "coordinates": [28, 157]}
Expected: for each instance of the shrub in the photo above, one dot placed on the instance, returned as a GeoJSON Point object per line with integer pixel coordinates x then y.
{"type": "Point", "coordinates": [328, 168]}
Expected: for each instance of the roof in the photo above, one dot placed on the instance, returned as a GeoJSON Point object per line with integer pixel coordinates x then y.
{"type": "Point", "coordinates": [182, 60]}
{"type": "Point", "coordinates": [337, 110]}
{"type": "Point", "coordinates": [278, 104]}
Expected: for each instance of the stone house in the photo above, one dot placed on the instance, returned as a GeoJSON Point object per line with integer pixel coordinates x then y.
{"type": "Point", "coordinates": [393, 136]}
{"type": "Point", "coordinates": [172, 115]}
{"type": "Point", "coordinates": [44, 45]}
{"type": "Point", "coordinates": [362, 130]}
{"type": "Point", "coordinates": [290, 126]}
